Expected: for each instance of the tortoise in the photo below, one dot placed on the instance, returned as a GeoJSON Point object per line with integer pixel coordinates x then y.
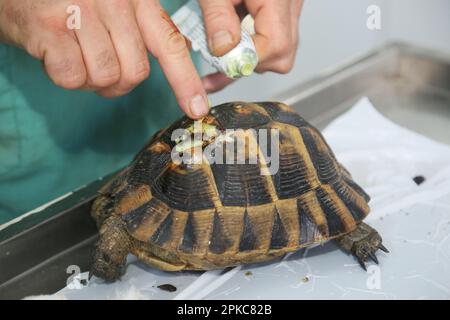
{"type": "Point", "coordinates": [203, 215]}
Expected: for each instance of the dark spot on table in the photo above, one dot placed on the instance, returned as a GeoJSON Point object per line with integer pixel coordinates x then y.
{"type": "Point", "coordinates": [419, 180]}
{"type": "Point", "coordinates": [248, 274]}
{"type": "Point", "coordinates": [167, 287]}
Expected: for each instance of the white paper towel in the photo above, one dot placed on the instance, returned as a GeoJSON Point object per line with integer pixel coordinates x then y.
{"type": "Point", "coordinates": [414, 221]}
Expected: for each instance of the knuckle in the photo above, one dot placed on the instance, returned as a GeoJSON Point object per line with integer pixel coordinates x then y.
{"type": "Point", "coordinates": [217, 14]}
{"type": "Point", "coordinates": [103, 79]}
{"type": "Point", "coordinates": [173, 42]}
{"type": "Point", "coordinates": [283, 66]}
{"type": "Point", "coordinates": [176, 45]}
{"type": "Point", "coordinates": [70, 83]}
{"type": "Point", "coordinates": [68, 79]}
{"type": "Point", "coordinates": [107, 69]}
{"type": "Point", "coordinates": [283, 47]}
{"type": "Point", "coordinates": [66, 73]}
{"type": "Point", "coordinates": [140, 72]}
{"type": "Point", "coordinates": [106, 60]}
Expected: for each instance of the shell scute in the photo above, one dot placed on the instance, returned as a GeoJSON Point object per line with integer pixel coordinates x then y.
{"type": "Point", "coordinates": [282, 113]}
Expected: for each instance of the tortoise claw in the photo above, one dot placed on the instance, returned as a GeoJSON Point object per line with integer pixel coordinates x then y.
{"type": "Point", "coordinates": [383, 248]}
{"type": "Point", "coordinates": [362, 264]}
{"type": "Point", "coordinates": [373, 257]}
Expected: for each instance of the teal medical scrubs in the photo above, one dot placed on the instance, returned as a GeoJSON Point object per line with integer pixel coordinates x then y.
{"type": "Point", "coordinates": [53, 141]}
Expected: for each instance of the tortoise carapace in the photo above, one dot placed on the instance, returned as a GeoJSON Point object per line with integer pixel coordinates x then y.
{"type": "Point", "coordinates": [204, 215]}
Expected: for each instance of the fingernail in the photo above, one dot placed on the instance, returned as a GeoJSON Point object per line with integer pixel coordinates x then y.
{"type": "Point", "coordinates": [221, 40]}
{"type": "Point", "coordinates": [199, 106]}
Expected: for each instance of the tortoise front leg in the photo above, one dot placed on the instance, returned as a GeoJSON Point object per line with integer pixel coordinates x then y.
{"type": "Point", "coordinates": [362, 243]}
{"type": "Point", "coordinates": [111, 249]}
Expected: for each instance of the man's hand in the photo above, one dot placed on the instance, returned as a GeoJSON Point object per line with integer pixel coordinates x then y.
{"type": "Point", "coordinates": [276, 38]}
{"type": "Point", "coordinates": [108, 54]}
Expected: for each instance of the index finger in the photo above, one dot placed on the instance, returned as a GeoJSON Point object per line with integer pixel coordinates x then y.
{"type": "Point", "coordinates": [169, 47]}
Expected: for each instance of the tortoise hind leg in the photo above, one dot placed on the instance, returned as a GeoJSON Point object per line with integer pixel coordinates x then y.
{"type": "Point", "coordinates": [362, 243]}
{"type": "Point", "coordinates": [111, 249]}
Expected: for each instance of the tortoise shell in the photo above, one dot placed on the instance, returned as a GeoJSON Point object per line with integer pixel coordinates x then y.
{"type": "Point", "coordinates": [217, 215]}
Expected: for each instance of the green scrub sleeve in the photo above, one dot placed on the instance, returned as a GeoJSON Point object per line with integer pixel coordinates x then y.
{"type": "Point", "coordinates": [53, 141]}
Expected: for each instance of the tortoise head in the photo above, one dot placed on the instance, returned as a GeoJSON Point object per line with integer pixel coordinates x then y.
{"type": "Point", "coordinates": [104, 267]}
{"type": "Point", "coordinates": [111, 250]}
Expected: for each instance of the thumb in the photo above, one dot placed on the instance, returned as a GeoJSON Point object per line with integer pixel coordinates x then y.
{"type": "Point", "coordinates": [223, 25]}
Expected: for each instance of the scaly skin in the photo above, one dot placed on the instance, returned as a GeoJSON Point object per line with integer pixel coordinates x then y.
{"type": "Point", "coordinates": [111, 249]}
{"type": "Point", "coordinates": [362, 243]}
